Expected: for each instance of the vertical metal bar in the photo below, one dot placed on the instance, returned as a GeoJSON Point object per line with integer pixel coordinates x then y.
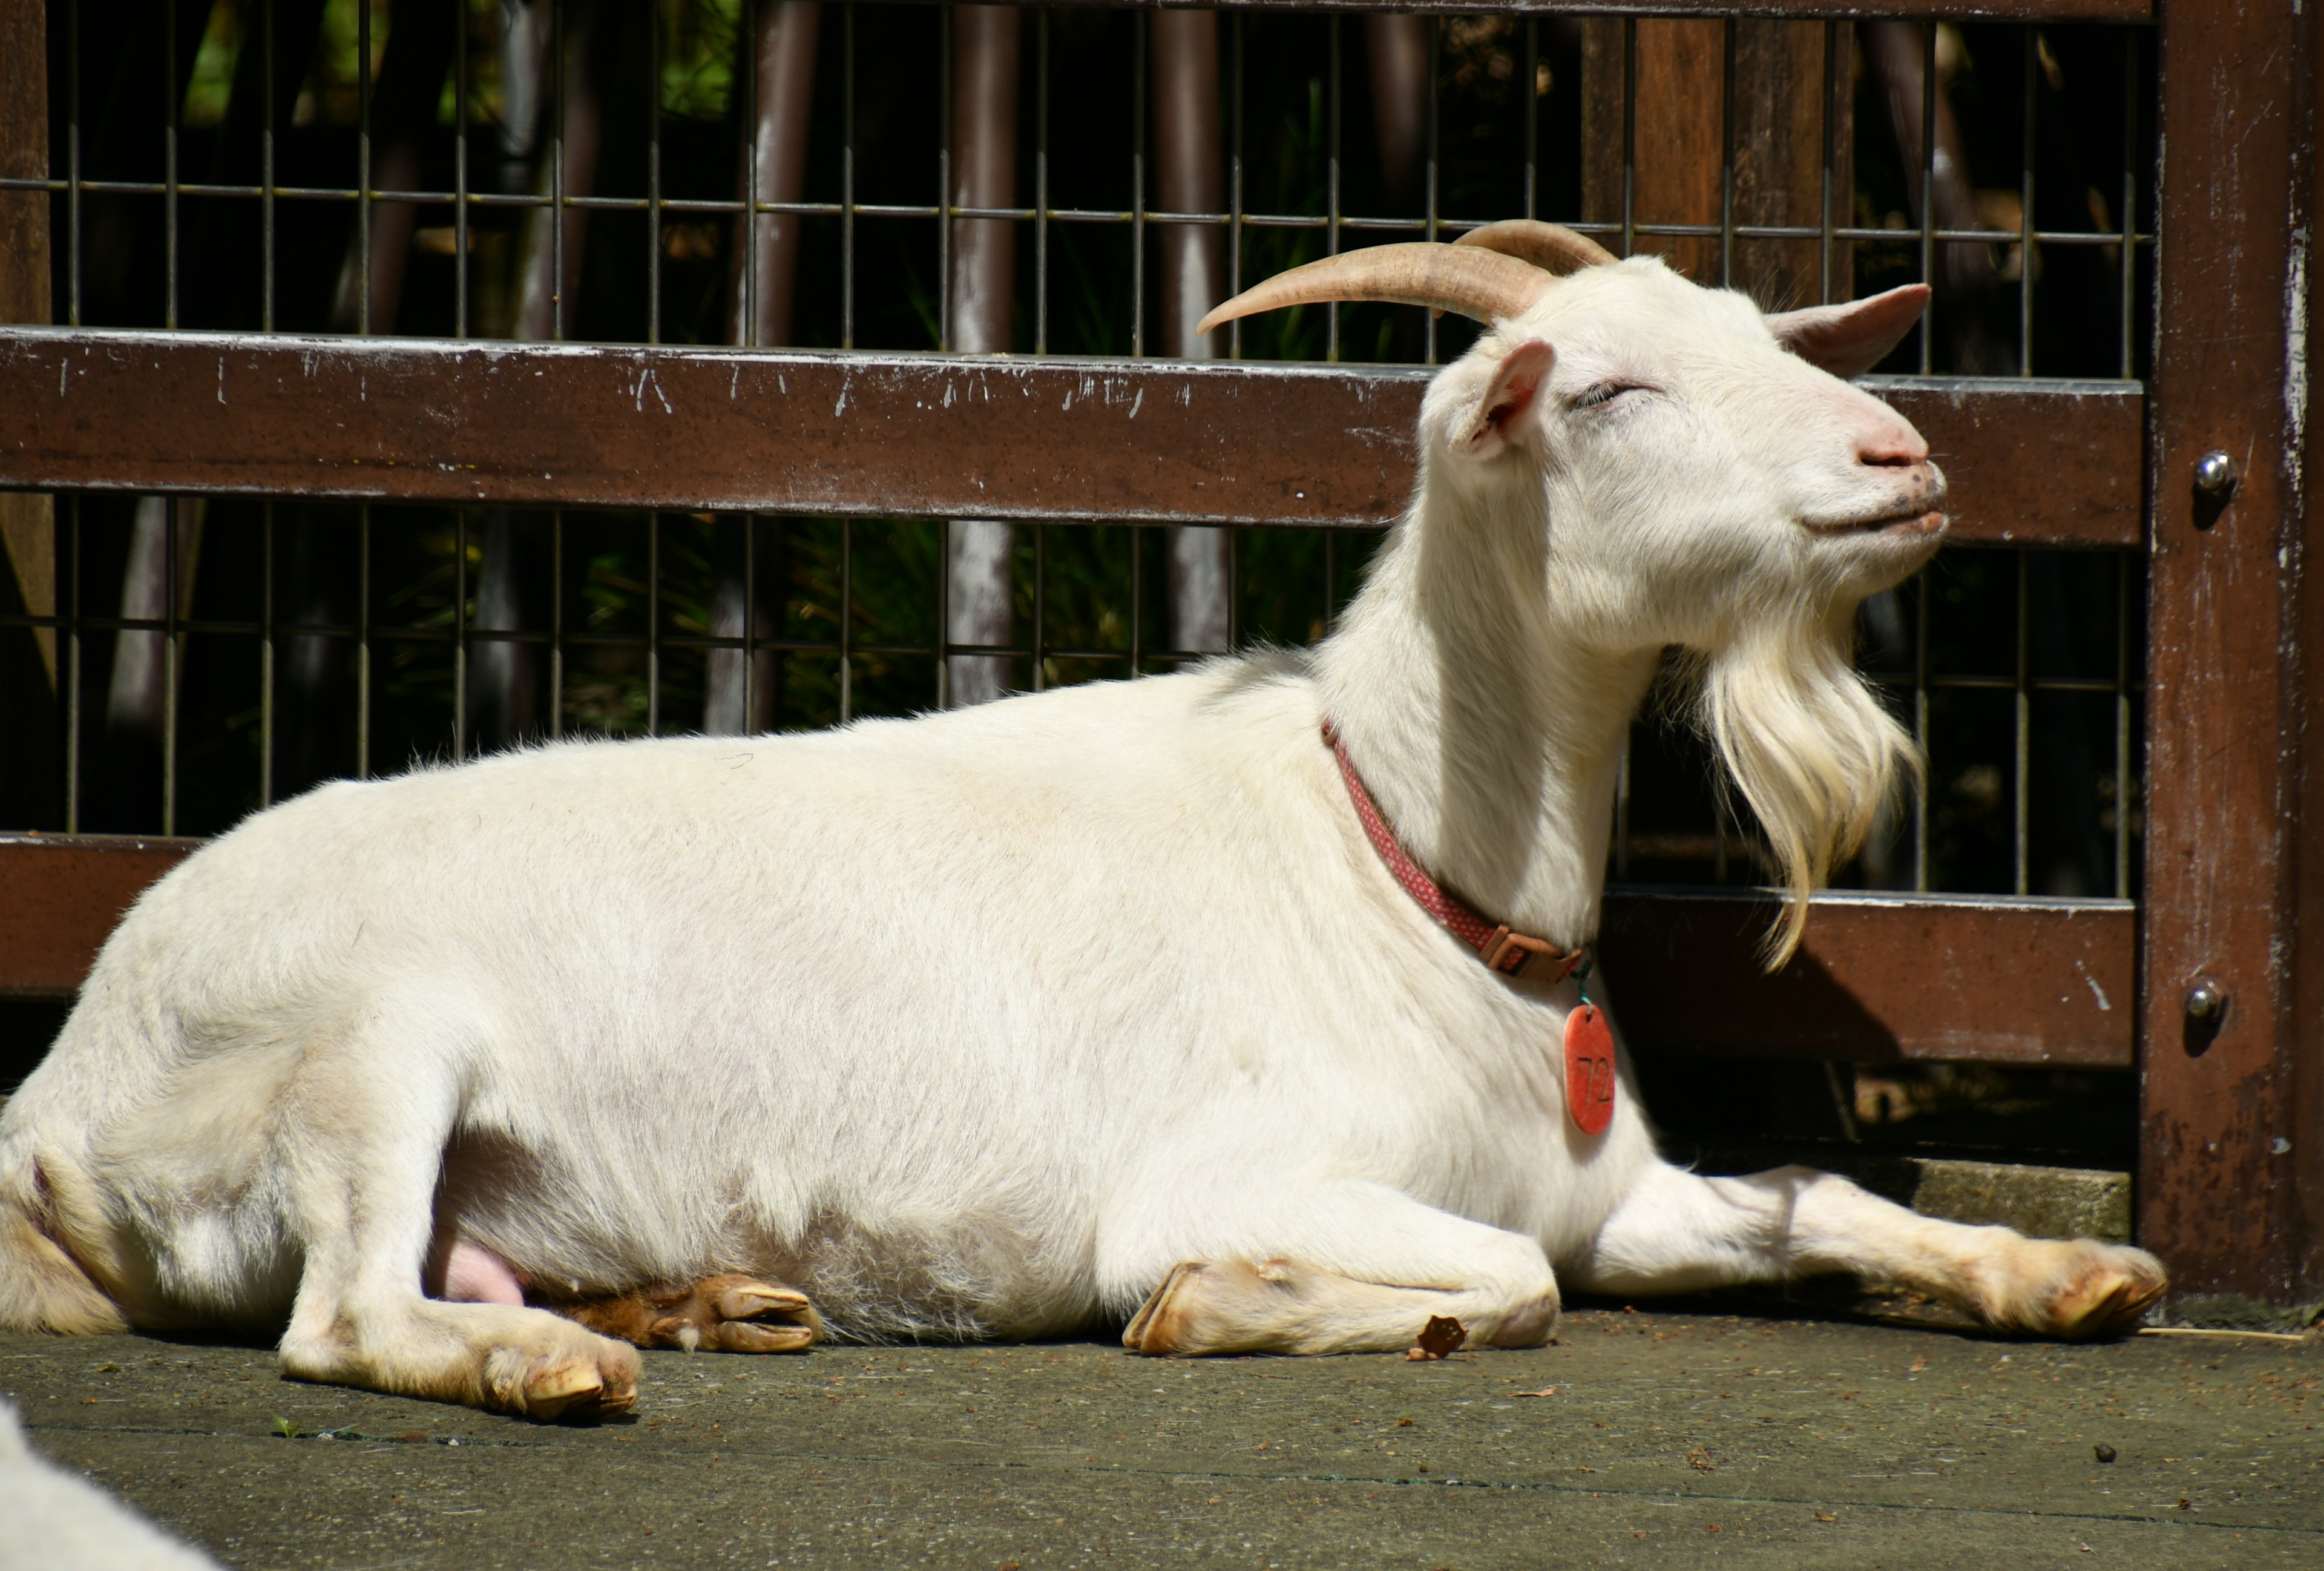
{"type": "Point", "coordinates": [2122, 726]}
{"type": "Point", "coordinates": [1332, 201]}
{"type": "Point", "coordinates": [170, 165]}
{"type": "Point", "coordinates": [362, 167]}
{"type": "Point", "coordinates": [73, 695]}
{"type": "Point", "coordinates": [556, 169]}
{"type": "Point", "coordinates": [266, 655]}
{"type": "Point", "coordinates": [847, 620]}
{"type": "Point", "coordinates": [1234, 587]}
{"type": "Point", "coordinates": [1622, 812]}
{"type": "Point", "coordinates": [1928, 190]}
{"type": "Point", "coordinates": [2026, 214]}
{"type": "Point", "coordinates": [1922, 600]}
{"type": "Point", "coordinates": [944, 179]}
{"type": "Point", "coordinates": [363, 640]}
{"type": "Point", "coordinates": [746, 127]}
{"type": "Point", "coordinates": [557, 623]}
{"type": "Point", "coordinates": [1727, 156]}
{"type": "Point", "coordinates": [1041, 182]}
{"type": "Point", "coordinates": [1436, 48]}
{"type": "Point", "coordinates": [1629, 135]}
{"type": "Point", "coordinates": [847, 182]}
{"type": "Point", "coordinates": [1234, 224]}
{"type": "Point", "coordinates": [1532, 94]}
{"type": "Point", "coordinates": [653, 624]}
{"type": "Point", "coordinates": [653, 181]}
{"type": "Point", "coordinates": [1137, 231]}
{"type": "Point", "coordinates": [944, 613]}
{"type": "Point", "coordinates": [172, 661]}
{"type": "Point", "coordinates": [1041, 601]}
{"type": "Point", "coordinates": [1826, 192]}
{"type": "Point", "coordinates": [2022, 794]}
{"type": "Point", "coordinates": [266, 248]}
{"type": "Point", "coordinates": [460, 174]}
{"type": "Point", "coordinates": [72, 226]}
{"type": "Point", "coordinates": [2129, 196]}
{"type": "Point", "coordinates": [1138, 600]}
{"type": "Point", "coordinates": [749, 619]}
{"type": "Point", "coordinates": [750, 599]}
{"type": "Point", "coordinates": [459, 633]}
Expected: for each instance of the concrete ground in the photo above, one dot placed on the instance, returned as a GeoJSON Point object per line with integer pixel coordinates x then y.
{"type": "Point", "coordinates": [1639, 1439]}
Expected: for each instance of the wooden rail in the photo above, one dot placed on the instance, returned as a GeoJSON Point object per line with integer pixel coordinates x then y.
{"type": "Point", "coordinates": [414, 420]}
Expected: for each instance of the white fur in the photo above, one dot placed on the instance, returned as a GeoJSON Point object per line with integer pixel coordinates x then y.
{"type": "Point", "coordinates": [984, 1022]}
{"type": "Point", "coordinates": [58, 1518]}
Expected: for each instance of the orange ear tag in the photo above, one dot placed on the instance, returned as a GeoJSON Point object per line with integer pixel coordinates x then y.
{"type": "Point", "coordinates": [1590, 1069]}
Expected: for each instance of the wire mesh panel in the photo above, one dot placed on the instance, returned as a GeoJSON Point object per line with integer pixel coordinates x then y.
{"type": "Point", "coordinates": [1050, 181]}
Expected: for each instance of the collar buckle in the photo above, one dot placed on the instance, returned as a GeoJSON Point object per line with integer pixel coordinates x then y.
{"type": "Point", "coordinates": [1521, 956]}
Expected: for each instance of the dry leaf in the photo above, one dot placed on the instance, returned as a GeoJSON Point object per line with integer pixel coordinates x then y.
{"type": "Point", "coordinates": [1441, 1335]}
{"type": "Point", "coordinates": [1699, 1459]}
{"type": "Point", "coordinates": [1547, 1390]}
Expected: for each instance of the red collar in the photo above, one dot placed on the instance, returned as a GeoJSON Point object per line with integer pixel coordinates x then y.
{"type": "Point", "coordinates": [1510, 953]}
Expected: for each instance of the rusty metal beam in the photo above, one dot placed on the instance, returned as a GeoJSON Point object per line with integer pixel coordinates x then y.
{"type": "Point", "coordinates": [1880, 977]}
{"type": "Point", "coordinates": [885, 435]}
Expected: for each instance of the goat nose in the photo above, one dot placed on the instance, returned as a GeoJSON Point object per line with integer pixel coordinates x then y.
{"type": "Point", "coordinates": [1896, 447]}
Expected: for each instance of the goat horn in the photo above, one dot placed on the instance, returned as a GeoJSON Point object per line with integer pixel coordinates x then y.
{"type": "Point", "coordinates": [1552, 247]}
{"type": "Point", "coordinates": [1475, 283]}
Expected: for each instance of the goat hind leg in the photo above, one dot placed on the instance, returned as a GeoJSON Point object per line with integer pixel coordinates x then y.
{"type": "Point", "coordinates": [731, 1313]}
{"type": "Point", "coordinates": [362, 1138]}
{"type": "Point", "coordinates": [1678, 1232]}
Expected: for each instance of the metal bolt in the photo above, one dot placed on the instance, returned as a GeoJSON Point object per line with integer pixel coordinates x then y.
{"type": "Point", "coordinates": [2206, 1000]}
{"type": "Point", "coordinates": [2215, 473]}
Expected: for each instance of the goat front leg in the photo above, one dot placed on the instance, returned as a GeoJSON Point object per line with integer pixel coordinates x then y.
{"type": "Point", "coordinates": [1347, 1267]}
{"type": "Point", "coordinates": [1678, 1232]}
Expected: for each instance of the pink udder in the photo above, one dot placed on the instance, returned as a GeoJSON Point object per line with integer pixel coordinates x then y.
{"type": "Point", "coordinates": [475, 1275]}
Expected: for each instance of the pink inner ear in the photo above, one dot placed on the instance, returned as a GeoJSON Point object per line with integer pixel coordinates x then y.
{"type": "Point", "coordinates": [1516, 381]}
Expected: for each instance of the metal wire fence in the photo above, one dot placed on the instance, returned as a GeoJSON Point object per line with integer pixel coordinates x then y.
{"type": "Point", "coordinates": [848, 175]}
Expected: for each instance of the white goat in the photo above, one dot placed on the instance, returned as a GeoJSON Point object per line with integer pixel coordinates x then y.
{"type": "Point", "coordinates": [1096, 1004]}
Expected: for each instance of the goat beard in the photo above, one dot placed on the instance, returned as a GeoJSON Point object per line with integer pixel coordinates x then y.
{"type": "Point", "coordinates": [1809, 747]}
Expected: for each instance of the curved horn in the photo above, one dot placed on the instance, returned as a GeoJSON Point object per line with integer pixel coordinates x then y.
{"type": "Point", "coordinates": [1475, 283]}
{"type": "Point", "coordinates": [1552, 247]}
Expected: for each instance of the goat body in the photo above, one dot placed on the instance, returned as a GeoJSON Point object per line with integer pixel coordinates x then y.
{"type": "Point", "coordinates": [1093, 1004]}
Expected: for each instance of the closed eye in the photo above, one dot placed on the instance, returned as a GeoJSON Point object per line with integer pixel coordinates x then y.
{"type": "Point", "coordinates": [1602, 392]}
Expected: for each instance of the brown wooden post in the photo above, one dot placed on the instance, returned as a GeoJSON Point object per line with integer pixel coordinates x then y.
{"type": "Point", "coordinates": [28, 583]}
{"type": "Point", "coordinates": [2306, 1035]}
{"type": "Point", "coordinates": [2228, 1056]}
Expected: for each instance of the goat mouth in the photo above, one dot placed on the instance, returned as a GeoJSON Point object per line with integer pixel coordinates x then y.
{"type": "Point", "coordinates": [1905, 522]}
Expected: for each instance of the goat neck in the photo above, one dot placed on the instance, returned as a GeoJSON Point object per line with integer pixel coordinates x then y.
{"type": "Point", "coordinates": [1489, 730]}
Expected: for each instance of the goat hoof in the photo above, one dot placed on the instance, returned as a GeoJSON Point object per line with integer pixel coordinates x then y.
{"type": "Point", "coordinates": [2110, 1300]}
{"type": "Point", "coordinates": [583, 1383]}
{"type": "Point", "coordinates": [720, 1314]}
{"type": "Point", "coordinates": [1156, 1329]}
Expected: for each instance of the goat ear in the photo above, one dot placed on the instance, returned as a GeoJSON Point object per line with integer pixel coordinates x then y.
{"type": "Point", "coordinates": [1848, 340]}
{"type": "Point", "coordinates": [1511, 399]}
